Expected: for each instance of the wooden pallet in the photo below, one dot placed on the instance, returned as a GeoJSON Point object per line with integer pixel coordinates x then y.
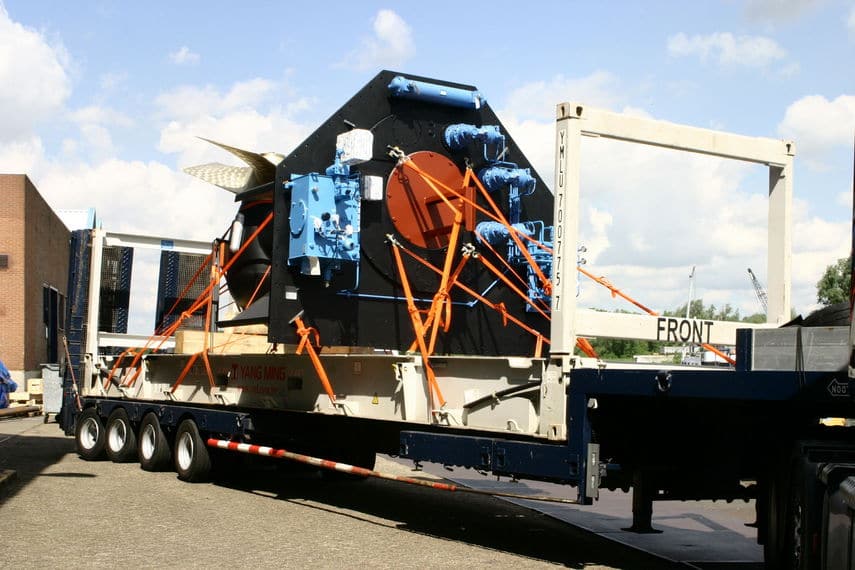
{"type": "Point", "coordinates": [21, 398]}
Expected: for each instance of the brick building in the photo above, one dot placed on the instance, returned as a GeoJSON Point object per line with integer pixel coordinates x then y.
{"type": "Point", "coordinates": [33, 278]}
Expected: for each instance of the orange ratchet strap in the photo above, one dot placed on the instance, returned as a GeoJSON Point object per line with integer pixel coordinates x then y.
{"type": "Point", "coordinates": [617, 292]}
{"type": "Point", "coordinates": [418, 326]}
{"type": "Point", "coordinates": [441, 303]}
{"type": "Point", "coordinates": [496, 307]}
{"type": "Point", "coordinates": [306, 333]}
{"type": "Point", "coordinates": [544, 281]}
{"type": "Point", "coordinates": [203, 298]}
{"type": "Point", "coordinates": [468, 175]}
{"type": "Point", "coordinates": [190, 283]}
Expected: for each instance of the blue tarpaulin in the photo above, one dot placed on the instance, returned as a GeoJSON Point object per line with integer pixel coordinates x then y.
{"type": "Point", "coordinates": [6, 385]}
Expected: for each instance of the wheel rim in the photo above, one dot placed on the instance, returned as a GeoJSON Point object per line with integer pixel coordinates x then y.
{"type": "Point", "coordinates": [117, 435]}
{"type": "Point", "coordinates": [798, 518]}
{"type": "Point", "coordinates": [186, 450]}
{"type": "Point", "coordinates": [89, 432]}
{"type": "Point", "coordinates": [148, 441]}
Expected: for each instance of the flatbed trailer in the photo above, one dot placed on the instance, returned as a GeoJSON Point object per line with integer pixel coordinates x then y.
{"type": "Point", "coordinates": [751, 431]}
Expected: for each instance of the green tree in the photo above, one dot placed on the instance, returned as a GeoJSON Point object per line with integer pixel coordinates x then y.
{"type": "Point", "coordinates": [833, 287]}
{"type": "Point", "coordinates": [623, 349]}
{"type": "Point", "coordinates": [708, 312]}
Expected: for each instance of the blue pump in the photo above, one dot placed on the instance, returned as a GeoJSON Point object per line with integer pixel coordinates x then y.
{"type": "Point", "coordinates": [497, 234]}
{"type": "Point", "coordinates": [519, 181]}
{"type": "Point", "coordinates": [324, 220]}
{"type": "Point", "coordinates": [497, 176]}
{"type": "Point", "coordinates": [504, 174]}
{"type": "Point", "coordinates": [461, 135]}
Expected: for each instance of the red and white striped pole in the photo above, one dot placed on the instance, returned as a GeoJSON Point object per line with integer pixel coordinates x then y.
{"type": "Point", "coordinates": [362, 472]}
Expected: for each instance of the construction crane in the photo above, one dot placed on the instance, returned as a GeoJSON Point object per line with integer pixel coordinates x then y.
{"type": "Point", "coordinates": [759, 291]}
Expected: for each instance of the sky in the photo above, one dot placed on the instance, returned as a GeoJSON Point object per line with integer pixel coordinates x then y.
{"type": "Point", "coordinates": [102, 105]}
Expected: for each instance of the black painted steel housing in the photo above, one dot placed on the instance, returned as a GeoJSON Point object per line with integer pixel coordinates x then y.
{"type": "Point", "coordinates": [368, 309]}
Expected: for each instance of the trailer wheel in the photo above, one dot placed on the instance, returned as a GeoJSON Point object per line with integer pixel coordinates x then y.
{"type": "Point", "coordinates": [121, 439]}
{"type": "Point", "coordinates": [152, 446]}
{"type": "Point", "coordinates": [803, 518]}
{"type": "Point", "coordinates": [89, 435]}
{"type": "Point", "coordinates": [192, 460]}
{"type": "Point", "coordinates": [773, 510]}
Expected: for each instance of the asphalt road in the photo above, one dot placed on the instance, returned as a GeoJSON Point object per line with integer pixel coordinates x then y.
{"type": "Point", "coordinates": [66, 512]}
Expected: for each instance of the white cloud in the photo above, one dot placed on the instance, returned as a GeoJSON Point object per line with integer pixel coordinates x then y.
{"type": "Point", "coordinates": [94, 125]}
{"type": "Point", "coordinates": [727, 49]}
{"type": "Point", "coordinates": [69, 146]}
{"type": "Point", "coordinates": [184, 56]}
{"type": "Point", "coordinates": [115, 187]}
{"type": "Point", "coordinates": [850, 21]}
{"type": "Point", "coordinates": [390, 45]}
{"type": "Point", "coordinates": [151, 197]}
{"type": "Point", "coordinates": [817, 124]}
{"type": "Point", "coordinates": [537, 100]}
{"type": "Point", "coordinates": [817, 243]}
{"type": "Point", "coordinates": [529, 110]}
{"type": "Point", "coordinates": [651, 214]}
{"type": "Point", "coordinates": [21, 156]}
{"type": "Point", "coordinates": [597, 239]}
{"type": "Point", "coordinates": [33, 73]}
{"type": "Point", "coordinates": [239, 117]}
{"type": "Point", "coordinates": [192, 101]}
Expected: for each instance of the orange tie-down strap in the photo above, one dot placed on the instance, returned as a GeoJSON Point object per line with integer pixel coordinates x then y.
{"type": "Point", "coordinates": [200, 301]}
{"type": "Point", "coordinates": [441, 304]}
{"type": "Point", "coordinates": [544, 280]}
{"type": "Point", "coordinates": [307, 335]}
{"type": "Point", "coordinates": [459, 195]}
{"type": "Point", "coordinates": [116, 366]}
{"type": "Point", "coordinates": [441, 298]}
{"type": "Point", "coordinates": [446, 322]}
{"type": "Point", "coordinates": [418, 326]}
{"type": "Point", "coordinates": [499, 307]}
{"type": "Point", "coordinates": [190, 283]}
{"type": "Point", "coordinates": [509, 270]}
{"type": "Point", "coordinates": [617, 292]}
{"type": "Point", "coordinates": [495, 215]}
{"type": "Point", "coordinates": [449, 281]}
{"type": "Point", "coordinates": [586, 347]}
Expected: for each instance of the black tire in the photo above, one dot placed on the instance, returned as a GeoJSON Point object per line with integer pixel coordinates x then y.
{"type": "Point", "coordinates": [121, 438]}
{"type": "Point", "coordinates": [89, 435]}
{"type": "Point", "coordinates": [804, 522]}
{"type": "Point", "coordinates": [836, 315]}
{"type": "Point", "coordinates": [773, 535]}
{"type": "Point", "coordinates": [152, 446]}
{"type": "Point", "coordinates": [192, 460]}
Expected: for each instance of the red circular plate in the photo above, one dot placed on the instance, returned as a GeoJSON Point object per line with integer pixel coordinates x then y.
{"type": "Point", "coordinates": [417, 212]}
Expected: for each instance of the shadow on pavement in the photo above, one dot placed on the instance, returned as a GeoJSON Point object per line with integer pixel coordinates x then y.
{"type": "Point", "coordinates": [29, 455]}
{"type": "Point", "coordinates": [485, 522]}
{"type": "Point", "coordinates": [482, 521]}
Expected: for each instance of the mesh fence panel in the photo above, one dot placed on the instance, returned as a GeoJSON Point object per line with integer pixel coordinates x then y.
{"type": "Point", "coordinates": [176, 271]}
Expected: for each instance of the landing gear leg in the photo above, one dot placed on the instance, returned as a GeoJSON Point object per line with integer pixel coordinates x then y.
{"type": "Point", "coordinates": [642, 506]}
